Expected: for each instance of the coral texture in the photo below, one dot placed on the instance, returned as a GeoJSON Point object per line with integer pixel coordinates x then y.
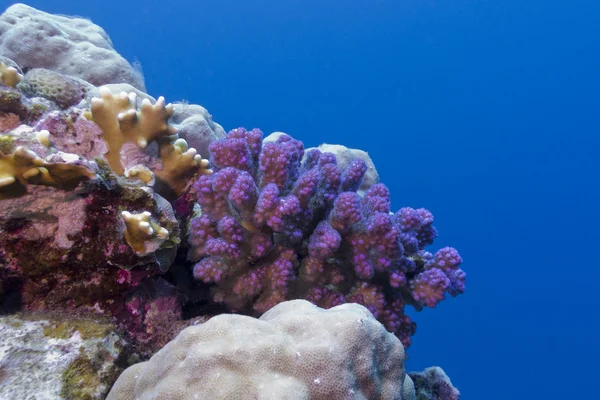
{"type": "Point", "coordinates": [69, 45]}
{"type": "Point", "coordinates": [63, 90]}
{"type": "Point", "coordinates": [294, 351]}
{"type": "Point", "coordinates": [278, 224]}
{"type": "Point", "coordinates": [195, 125]}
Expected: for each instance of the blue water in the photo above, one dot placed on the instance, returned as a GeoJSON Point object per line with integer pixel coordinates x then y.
{"type": "Point", "coordinates": [485, 112]}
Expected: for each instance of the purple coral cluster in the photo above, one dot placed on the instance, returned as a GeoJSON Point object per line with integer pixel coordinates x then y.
{"type": "Point", "coordinates": [278, 224]}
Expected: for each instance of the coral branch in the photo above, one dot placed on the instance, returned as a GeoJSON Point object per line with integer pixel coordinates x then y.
{"type": "Point", "coordinates": [274, 227]}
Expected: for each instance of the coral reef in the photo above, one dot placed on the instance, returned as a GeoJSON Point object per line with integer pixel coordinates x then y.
{"type": "Point", "coordinates": [109, 212]}
{"type": "Point", "coordinates": [278, 224]}
{"type": "Point", "coordinates": [85, 174]}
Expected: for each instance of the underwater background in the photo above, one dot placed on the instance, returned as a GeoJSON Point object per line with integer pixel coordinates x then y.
{"type": "Point", "coordinates": [486, 113]}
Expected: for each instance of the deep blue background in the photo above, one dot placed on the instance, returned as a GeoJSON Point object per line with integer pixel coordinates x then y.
{"type": "Point", "coordinates": [485, 112]}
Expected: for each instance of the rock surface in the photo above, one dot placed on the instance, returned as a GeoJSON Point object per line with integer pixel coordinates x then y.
{"type": "Point", "coordinates": [57, 357]}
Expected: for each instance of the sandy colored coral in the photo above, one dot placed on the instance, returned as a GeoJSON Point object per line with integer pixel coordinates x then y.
{"type": "Point", "coordinates": [179, 164]}
{"type": "Point", "coordinates": [141, 232]}
{"type": "Point", "coordinates": [9, 76]}
{"type": "Point", "coordinates": [24, 166]}
{"type": "Point", "coordinates": [62, 90]}
{"type": "Point", "coordinates": [69, 45]}
{"type": "Point", "coordinates": [140, 172]}
{"type": "Point", "coordinates": [122, 122]}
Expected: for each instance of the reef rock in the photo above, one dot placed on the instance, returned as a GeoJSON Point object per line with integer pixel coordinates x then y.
{"type": "Point", "coordinates": [58, 357]}
{"type": "Point", "coordinates": [433, 384]}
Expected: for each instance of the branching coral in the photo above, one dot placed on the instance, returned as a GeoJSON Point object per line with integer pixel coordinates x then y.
{"type": "Point", "coordinates": [122, 122]}
{"type": "Point", "coordinates": [274, 227]}
{"type": "Point", "coordinates": [143, 234]}
{"type": "Point", "coordinates": [180, 163]}
{"type": "Point", "coordinates": [23, 166]}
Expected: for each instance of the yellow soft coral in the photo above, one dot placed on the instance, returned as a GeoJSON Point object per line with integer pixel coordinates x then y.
{"type": "Point", "coordinates": [24, 166]}
{"type": "Point", "coordinates": [9, 76]}
{"type": "Point", "coordinates": [122, 122]}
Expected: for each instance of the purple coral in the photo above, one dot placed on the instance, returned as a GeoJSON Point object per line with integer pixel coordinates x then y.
{"type": "Point", "coordinates": [274, 227]}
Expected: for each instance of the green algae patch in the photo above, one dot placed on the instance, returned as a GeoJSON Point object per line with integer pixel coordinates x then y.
{"type": "Point", "coordinates": [87, 329]}
{"type": "Point", "coordinates": [80, 380]}
{"type": "Point", "coordinates": [7, 144]}
{"type": "Point", "coordinates": [36, 111]}
{"type": "Point", "coordinates": [136, 195]}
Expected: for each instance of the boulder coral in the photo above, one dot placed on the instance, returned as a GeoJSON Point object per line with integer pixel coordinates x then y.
{"type": "Point", "coordinates": [295, 351]}
{"type": "Point", "coordinates": [69, 45]}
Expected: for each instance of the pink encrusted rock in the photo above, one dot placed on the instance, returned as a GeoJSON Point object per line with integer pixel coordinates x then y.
{"type": "Point", "coordinates": [8, 121]}
{"type": "Point", "coordinates": [433, 384]}
{"type": "Point", "coordinates": [72, 133]}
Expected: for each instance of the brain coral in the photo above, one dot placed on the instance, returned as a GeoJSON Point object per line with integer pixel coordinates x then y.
{"type": "Point", "coordinates": [294, 351]}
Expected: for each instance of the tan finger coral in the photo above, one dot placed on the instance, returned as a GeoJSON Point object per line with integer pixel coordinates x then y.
{"type": "Point", "coordinates": [143, 235]}
{"type": "Point", "coordinates": [180, 163]}
{"type": "Point", "coordinates": [122, 122]}
{"type": "Point", "coordinates": [24, 166]}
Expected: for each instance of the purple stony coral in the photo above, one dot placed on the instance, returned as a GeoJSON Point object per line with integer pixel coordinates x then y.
{"type": "Point", "coordinates": [274, 227]}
